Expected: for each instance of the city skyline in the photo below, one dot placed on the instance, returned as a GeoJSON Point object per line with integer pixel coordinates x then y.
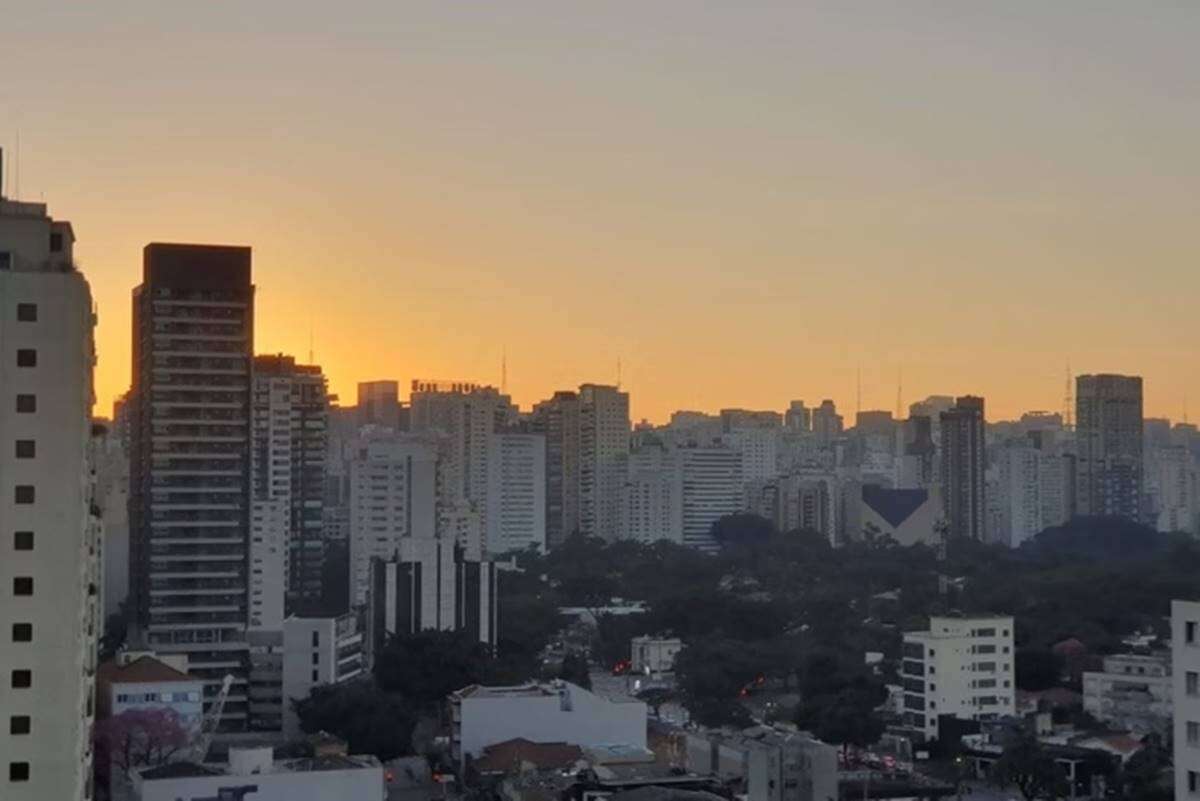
{"type": "Point", "coordinates": [974, 198]}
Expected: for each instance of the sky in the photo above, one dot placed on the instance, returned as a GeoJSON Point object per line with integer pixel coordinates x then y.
{"type": "Point", "coordinates": [741, 203]}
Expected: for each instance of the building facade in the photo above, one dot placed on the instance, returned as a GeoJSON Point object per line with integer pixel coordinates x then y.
{"type": "Point", "coordinates": [1185, 669]}
{"type": "Point", "coordinates": [432, 585]}
{"type": "Point", "coordinates": [963, 462]}
{"type": "Point", "coordinates": [516, 494]}
{"type": "Point", "coordinates": [189, 492]}
{"type": "Point", "coordinates": [960, 666]}
{"type": "Point", "coordinates": [393, 498]}
{"type": "Point", "coordinates": [1133, 692]}
{"type": "Point", "coordinates": [49, 540]}
{"type": "Point", "coordinates": [557, 419]}
{"type": "Point", "coordinates": [712, 488]}
{"type": "Point", "coordinates": [557, 712]}
{"type": "Point", "coordinates": [1108, 441]}
{"type": "Point", "coordinates": [290, 416]}
{"type": "Point", "coordinates": [604, 431]}
{"type": "Point", "coordinates": [317, 651]}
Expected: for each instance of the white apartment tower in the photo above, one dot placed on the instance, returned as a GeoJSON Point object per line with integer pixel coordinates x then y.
{"type": "Point", "coordinates": [1185, 668]}
{"type": "Point", "coordinates": [712, 488]}
{"type": "Point", "coordinates": [961, 666]}
{"type": "Point", "coordinates": [393, 479]}
{"type": "Point", "coordinates": [48, 537]}
{"type": "Point", "coordinates": [652, 498]}
{"type": "Point", "coordinates": [516, 495]}
{"type": "Point", "coordinates": [604, 431]}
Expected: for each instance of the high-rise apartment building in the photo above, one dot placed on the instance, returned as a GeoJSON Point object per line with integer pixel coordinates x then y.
{"type": "Point", "coordinates": [1185, 669]}
{"type": "Point", "coordinates": [604, 431]}
{"type": "Point", "coordinates": [290, 419]}
{"type": "Point", "coordinates": [49, 583]}
{"type": "Point", "coordinates": [1108, 441]}
{"type": "Point", "coordinates": [516, 495]}
{"type": "Point", "coordinates": [557, 419]}
{"type": "Point", "coordinates": [713, 487]}
{"type": "Point", "coordinates": [652, 498]}
{"type": "Point", "coordinates": [797, 418]}
{"type": "Point", "coordinates": [464, 417]}
{"type": "Point", "coordinates": [392, 498]}
{"type": "Point", "coordinates": [963, 468]}
{"type": "Point", "coordinates": [379, 404]}
{"type": "Point", "coordinates": [189, 493]}
{"type": "Point", "coordinates": [827, 424]}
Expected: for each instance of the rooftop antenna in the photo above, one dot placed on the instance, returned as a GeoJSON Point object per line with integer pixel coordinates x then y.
{"type": "Point", "coordinates": [899, 393]}
{"type": "Point", "coordinates": [311, 360]}
{"type": "Point", "coordinates": [1068, 400]}
{"type": "Point", "coordinates": [504, 369]}
{"type": "Point", "coordinates": [857, 393]}
{"type": "Point", "coordinates": [17, 169]}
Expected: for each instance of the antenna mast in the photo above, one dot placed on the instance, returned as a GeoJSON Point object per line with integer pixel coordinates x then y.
{"type": "Point", "coordinates": [1068, 401]}
{"type": "Point", "coordinates": [504, 370]}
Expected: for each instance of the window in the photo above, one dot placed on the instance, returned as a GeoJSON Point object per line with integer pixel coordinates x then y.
{"type": "Point", "coordinates": [26, 357]}
{"type": "Point", "coordinates": [316, 639]}
{"type": "Point", "coordinates": [1193, 781]}
{"type": "Point", "coordinates": [27, 312]}
{"type": "Point", "coordinates": [23, 585]}
{"type": "Point", "coordinates": [1193, 733]}
{"type": "Point", "coordinates": [22, 679]}
{"type": "Point", "coordinates": [5, 260]}
{"type": "Point", "coordinates": [22, 632]}
{"type": "Point", "coordinates": [18, 771]}
{"type": "Point", "coordinates": [26, 449]}
{"type": "Point", "coordinates": [22, 540]}
{"type": "Point", "coordinates": [1192, 683]}
{"type": "Point", "coordinates": [26, 404]}
{"type": "Point", "coordinates": [316, 659]}
{"type": "Point", "coordinates": [1189, 632]}
{"type": "Point", "coordinates": [314, 677]}
{"type": "Point", "coordinates": [19, 724]}
{"type": "Point", "coordinates": [56, 242]}
{"type": "Point", "coordinates": [24, 494]}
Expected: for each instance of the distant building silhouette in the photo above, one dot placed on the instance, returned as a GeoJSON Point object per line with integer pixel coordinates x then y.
{"type": "Point", "coordinates": [1109, 442]}
{"type": "Point", "coordinates": [963, 467]}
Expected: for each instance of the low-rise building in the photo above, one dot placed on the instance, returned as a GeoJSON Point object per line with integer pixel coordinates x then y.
{"type": "Point", "coordinates": [254, 774]}
{"type": "Point", "coordinates": [136, 681]}
{"type": "Point", "coordinates": [431, 585]}
{"type": "Point", "coordinates": [654, 655]}
{"type": "Point", "coordinates": [317, 651]}
{"type": "Point", "coordinates": [961, 666]}
{"type": "Point", "coordinates": [767, 763]}
{"type": "Point", "coordinates": [1132, 693]}
{"type": "Point", "coordinates": [1185, 667]}
{"type": "Point", "coordinates": [557, 711]}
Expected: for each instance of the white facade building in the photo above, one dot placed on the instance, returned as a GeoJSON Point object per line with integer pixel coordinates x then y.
{"type": "Point", "coordinates": [544, 713]}
{"type": "Point", "coordinates": [961, 666]}
{"type": "Point", "coordinates": [652, 655]}
{"type": "Point", "coordinates": [253, 774]}
{"type": "Point", "coordinates": [652, 498]}
{"type": "Point", "coordinates": [393, 496]}
{"type": "Point", "coordinates": [759, 447]}
{"type": "Point", "coordinates": [1133, 693]}
{"type": "Point", "coordinates": [136, 681]}
{"type": "Point", "coordinates": [712, 488]}
{"type": "Point", "coordinates": [604, 431]}
{"type": "Point", "coordinates": [516, 494]}
{"type": "Point", "coordinates": [49, 579]}
{"type": "Point", "coordinates": [1185, 669]}
{"type": "Point", "coordinates": [316, 651]}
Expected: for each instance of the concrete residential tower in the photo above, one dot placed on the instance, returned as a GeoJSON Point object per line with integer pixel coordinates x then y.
{"type": "Point", "coordinates": [189, 494]}
{"type": "Point", "coordinates": [1108, 438]}
{"type": "Point", "coordinates": [48, 538]}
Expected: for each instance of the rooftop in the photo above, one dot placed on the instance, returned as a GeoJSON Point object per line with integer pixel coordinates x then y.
{"type": "Point", "coordinates": [518, 752]}
{"type": "Point", "coordinates": [143, 670]}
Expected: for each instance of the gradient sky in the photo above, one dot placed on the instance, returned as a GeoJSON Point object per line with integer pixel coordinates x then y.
{"type": "Point", "coordinates": [743, 202]}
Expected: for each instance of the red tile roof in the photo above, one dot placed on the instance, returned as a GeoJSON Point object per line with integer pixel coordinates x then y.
{"type": "Point", "coordinates": [143, 670]}
{"type": "Point", "coordinates": [512, 754]}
